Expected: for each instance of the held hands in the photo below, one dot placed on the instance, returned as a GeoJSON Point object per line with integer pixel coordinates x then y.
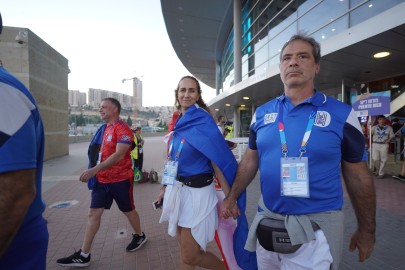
{"type": "Point", "coordinates": [229, 208]}
{"type": "Point", "coordinates": [364, 242]}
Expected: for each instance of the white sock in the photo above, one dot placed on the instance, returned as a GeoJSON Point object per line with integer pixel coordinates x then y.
{"type": "Point", "coordinates": [86, 255]}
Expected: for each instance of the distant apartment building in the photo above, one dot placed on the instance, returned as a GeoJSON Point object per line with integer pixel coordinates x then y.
{"type": "Point", "coordinates": [96, 95]}
{"type": "Point", "coordinates": [76, 98]}
{"type": "Point", "coordinates": [137, 93]}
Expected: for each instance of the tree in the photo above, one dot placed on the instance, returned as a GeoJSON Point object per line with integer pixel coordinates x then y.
{"type": "Point", "coordinates": [129, 121]}
{"type": "Point", "coordinates": [80, 120]}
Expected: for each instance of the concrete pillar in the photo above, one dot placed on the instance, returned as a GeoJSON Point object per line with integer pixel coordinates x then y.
{"type": "Point", "coordinates": [237, 40]}
{"type": "Point", "coordinates": [236, 122]}
{"type": "Point", "coordinates": [218, 77]}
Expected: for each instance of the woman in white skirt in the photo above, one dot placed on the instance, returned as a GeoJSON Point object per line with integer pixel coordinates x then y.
{"type": "Point", "coordinates": [196, 151]}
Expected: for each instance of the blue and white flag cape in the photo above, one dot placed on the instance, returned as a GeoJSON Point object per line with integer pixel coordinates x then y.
{"type": "Point", "coordinates": [92, 154]}
{"type": "Point", "coordinates": [198, 128]}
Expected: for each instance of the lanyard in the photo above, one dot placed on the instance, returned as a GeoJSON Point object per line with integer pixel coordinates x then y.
{"type": "Point", "coordinates": [178, 150]}
{"type": "Point", "coordinates": [311, 120]}
{"type": "Point", "coordinates": [106, 135]}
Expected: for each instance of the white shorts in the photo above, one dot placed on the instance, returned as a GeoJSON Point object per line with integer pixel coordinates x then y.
{"type": "Point", "coordinates": [314, 255]}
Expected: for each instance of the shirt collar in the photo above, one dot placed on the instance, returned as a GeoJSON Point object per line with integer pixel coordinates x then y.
{"type": "Point", "coordinates": [318, 99]}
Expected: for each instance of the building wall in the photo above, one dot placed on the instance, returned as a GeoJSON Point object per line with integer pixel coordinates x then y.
{"type": "Point", "coordinates": [267, 25]}
{"type": "Point", "coordinates": [45, 72]}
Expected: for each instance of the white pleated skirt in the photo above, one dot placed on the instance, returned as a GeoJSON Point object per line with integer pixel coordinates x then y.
{"type": "Point", "coordinates": [194, 208]}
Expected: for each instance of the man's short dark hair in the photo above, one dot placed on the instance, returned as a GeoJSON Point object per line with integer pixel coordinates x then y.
{"type": "Point", "coordinates": [381, 116]}
{"type": "Point", "coordinates": [219, 117]}
{"type": "Point", "coordinates": [115, 102]}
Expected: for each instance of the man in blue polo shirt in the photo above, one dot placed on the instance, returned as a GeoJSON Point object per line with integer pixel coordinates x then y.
{"type": "Point", "coordinates": [301, 142]}
{"type": "Point", "coordinates": [23, 233]}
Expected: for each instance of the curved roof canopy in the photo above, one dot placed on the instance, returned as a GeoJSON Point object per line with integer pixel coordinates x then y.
{"type": "Point", "coordinates": [198, 32]}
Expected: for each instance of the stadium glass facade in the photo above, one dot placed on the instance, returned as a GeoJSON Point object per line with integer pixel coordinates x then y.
{"type": "Point", "coordinates": [251, 34]}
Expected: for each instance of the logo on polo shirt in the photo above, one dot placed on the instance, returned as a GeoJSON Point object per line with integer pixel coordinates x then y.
{"type": "Point", "coordinates": [270, 118]}
{"type": "Point", "coordinates": [125, 138]}
{"type": "Point", "coordinates": [322, 119]}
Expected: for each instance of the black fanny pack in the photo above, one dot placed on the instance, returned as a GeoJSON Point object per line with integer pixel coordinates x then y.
{"type": "Point", "coordinates": [197, 181]}
{"type": "Point", "coordinates": [273, 236]}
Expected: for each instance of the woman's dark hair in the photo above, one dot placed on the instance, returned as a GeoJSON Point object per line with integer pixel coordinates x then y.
{"type": "Point", "coordinates": [115, 102]}
{"type": "Point", "coordinates": [200, 101]}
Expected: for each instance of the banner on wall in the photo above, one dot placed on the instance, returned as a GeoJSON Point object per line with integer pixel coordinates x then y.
{"type": "Point", "coordinates": [372, 103]}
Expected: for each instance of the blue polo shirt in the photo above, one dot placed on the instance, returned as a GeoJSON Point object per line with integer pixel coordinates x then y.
{"type": "Point", "coordinates": [336, 135]}
{"type": "Point", "coordinates": [21, 148]}
{"type": "Point", "coordinates": [190, 160]}
{"type": "Point", "coordinates": [21, 134]}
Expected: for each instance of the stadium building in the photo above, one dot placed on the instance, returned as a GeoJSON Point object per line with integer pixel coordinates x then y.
{"type": "Point", "coordinates": [234, 47]}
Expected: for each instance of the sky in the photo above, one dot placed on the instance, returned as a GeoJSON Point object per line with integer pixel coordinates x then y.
{"type": "Point", "coordinates": [106, 41]}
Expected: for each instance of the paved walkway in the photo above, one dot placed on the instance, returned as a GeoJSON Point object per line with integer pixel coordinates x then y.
{"type": "Point", "coordinates": [67, 221]}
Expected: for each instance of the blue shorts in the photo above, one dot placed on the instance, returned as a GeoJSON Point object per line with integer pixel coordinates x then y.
{"type": "Point", "coordinates": [29, 247]}
{"type": "Point", "coordinates": [122, 192]}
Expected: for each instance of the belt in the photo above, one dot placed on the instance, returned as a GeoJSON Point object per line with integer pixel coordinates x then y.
{"type": "Point", "coordinates": [197, 181]}
{"type": "Point", "coordinates": [379, 142]}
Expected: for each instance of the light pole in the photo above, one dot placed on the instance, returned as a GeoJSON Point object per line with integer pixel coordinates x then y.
{"type": "Point", "coordinates": [134, 95]}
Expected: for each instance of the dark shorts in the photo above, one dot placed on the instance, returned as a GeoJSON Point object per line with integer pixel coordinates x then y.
{"type": "Point", "coordinates": [122, 192]}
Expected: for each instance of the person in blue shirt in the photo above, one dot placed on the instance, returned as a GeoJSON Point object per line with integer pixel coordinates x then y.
{"type": "Point", "coordinates": [196, 150]}
{"type": "Point", "coordinates": [302, 142]}
{"type": "Point", "coordinates": [24, 233]}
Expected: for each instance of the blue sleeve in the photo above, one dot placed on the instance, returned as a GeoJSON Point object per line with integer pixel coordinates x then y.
{"type": "Point", "coordinates": [18, 145]}
{"type": "Point", "coordinates": [353, 144]}
{"type": "Point", "coordinates": [252, 139]}
{"type": "Point", "coordinates": [252, 133]}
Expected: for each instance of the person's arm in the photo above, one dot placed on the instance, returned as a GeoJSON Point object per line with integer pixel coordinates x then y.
{"type": "Point", "coordinates": [391, 134]}
{"type": "Point", "coordinates": [247, 170]}
{"type": "Point", "coordinates": [360, 186]}
{"type": "Point", "coordinates": [17, 191]}
{"type": "Point", "coordinates": [221, 178]}
{"type": "Point", "coordinates": [120, 151]}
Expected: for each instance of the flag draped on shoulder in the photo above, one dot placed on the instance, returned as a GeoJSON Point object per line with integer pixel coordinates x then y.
{"type": "Point", "coordinates": [199, 129]}
{"type": "Point", "coordinates": [92, 153]}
